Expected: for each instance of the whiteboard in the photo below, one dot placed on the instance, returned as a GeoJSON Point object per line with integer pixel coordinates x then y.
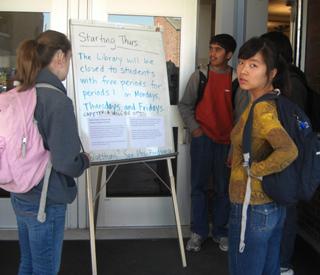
{"type": "Point", "coordinates": [121, 91]}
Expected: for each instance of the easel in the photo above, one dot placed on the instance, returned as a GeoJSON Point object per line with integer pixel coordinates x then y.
{"type": "Point", "coordinates": [93, 203]}
{"type": "Point", "coordinates": [130, 122]}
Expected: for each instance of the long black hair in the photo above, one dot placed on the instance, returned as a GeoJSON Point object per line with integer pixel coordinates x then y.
{"type": "Point", "coordinates": [272, 59]}
{"type": "Point", "coordinates": [282, 43]}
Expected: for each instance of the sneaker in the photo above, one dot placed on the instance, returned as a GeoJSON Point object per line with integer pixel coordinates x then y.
{"type": "Point", "coordinates": [286, 271]}
{"type": "Point", "coordinates": [223, 243]}
{"type": "Point", "coordinates": [194, 243]}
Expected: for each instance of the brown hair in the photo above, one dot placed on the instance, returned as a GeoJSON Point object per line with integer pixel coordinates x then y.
{"type": "Point", "coordinates": [34, 55]}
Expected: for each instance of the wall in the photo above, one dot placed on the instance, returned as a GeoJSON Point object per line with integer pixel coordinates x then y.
{"type": "Point", "coordinates": [224, 16]}
{"type": "Point", "coordinates": [204, 32]}
{"type": "Point", "coordinates": [242, 19]}
{"type": "Point", "coordinates": [257, 17]}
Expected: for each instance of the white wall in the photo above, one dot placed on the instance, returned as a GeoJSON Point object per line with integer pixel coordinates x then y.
{"type": "Point", "coordinates": [204, 33]}
{"type": "Point", "coordinates": [225, 16]}
{"type": "Point", "coordinates": [242, 19]}
{"type": "Point", "coordinates": [23, 5]}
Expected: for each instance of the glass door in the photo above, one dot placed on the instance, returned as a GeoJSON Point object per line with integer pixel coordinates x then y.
{"type": "Point", "coordinates": [134, 196]}
{"type": "Point", "coordinates": [21, 20]}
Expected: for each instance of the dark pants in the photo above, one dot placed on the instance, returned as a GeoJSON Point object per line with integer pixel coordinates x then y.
{"type": "Point", "coordinates": [288, 236]}
{"type": "Point", "coordinates": [209, 158]}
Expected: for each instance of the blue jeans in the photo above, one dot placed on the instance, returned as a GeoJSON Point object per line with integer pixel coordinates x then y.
{"type": "Point", "coordinates": [40, 243]}
{"type": "Point", "coordinates": [261, 255]}
{"type": "Point", "coordinates": [209, 158]}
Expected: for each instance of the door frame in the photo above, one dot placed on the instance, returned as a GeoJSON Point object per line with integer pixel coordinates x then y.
{"type": "Point", "coordinates": [99, 10]}
{"type": "Point", "coordinates": [57, 10]}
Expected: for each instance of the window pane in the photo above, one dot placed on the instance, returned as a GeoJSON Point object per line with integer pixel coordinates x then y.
{"type": "Point", "coordinates": [136, 180]}
{"type": "Point", "coordinates": [14, 28]}
{"type": "Point", "coordinates": [171, 30]}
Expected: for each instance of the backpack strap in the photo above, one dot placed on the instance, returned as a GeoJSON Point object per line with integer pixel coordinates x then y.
{"type": "Point", "coordinates": [43, 199]}
{"type": "Point", "coordinates": [203, 80]}
{"type": "Point", "coordinates": [246, 145]}
{"type": "Point", "coordinates": [47, 85]}
{"type": "Point", "coordinates": [247, 131]}
{"type": "Point", "coordinates": [41, 213]}
{"type": "Point", "coordinates": [24, 140]}
{"type": "Point", "coordinates": [41, 217]}
{"type": "Point", "coordinates": [234, 88]}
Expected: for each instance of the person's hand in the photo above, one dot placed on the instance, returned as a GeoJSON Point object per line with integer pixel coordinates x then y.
{"type": "Point", "coordinates": [229, 161]}
{"type": "Point", "coordinates": [88, 156]}
{"type": "Point", "coordinates": [229, 158]}
{"type": "Point", "coordinates": [197, 132]}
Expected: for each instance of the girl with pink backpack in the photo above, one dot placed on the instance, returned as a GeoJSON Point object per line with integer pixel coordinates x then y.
{"type": "Point", "coordinates": [43, 63]}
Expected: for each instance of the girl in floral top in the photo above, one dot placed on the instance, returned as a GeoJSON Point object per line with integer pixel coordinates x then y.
{"type": "Point", "coordinates": [260, 70]}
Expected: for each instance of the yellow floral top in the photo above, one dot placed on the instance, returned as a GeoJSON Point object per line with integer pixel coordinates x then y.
{"type": "Point", "coordinates": [272, 150]}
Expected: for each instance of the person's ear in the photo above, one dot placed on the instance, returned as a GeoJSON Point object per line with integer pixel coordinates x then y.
{"type": "Point", "coordinates": [229, 55]}
{"type": "Point", "coordinates": [273, 73]}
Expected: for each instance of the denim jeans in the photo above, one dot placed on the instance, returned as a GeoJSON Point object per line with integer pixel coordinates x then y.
{"type": "Point", "coordinates": [261, 255]}
{"type": "Point", "coordinates": [40, 243]}
{"type": "Point", "coordinates": [209, 158]}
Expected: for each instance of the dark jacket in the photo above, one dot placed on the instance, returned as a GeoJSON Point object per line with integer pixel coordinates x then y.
{"type": "Point", "coordinates": [299, 90]}
{"type": "Point", "coordinates": [57, 125]}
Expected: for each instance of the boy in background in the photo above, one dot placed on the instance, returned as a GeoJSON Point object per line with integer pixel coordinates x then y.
{"type": "Point", "coordinates": [207, 110]}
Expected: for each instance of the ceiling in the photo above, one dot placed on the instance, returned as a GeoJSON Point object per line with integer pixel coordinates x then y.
{"type": "Point", "coordinates": [276, 7]}
{"type": "Point", "coordinates": [279, 8]}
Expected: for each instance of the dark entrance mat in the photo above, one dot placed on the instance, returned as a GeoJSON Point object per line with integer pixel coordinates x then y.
{"type": "Point", "coordinates": [148, 257]}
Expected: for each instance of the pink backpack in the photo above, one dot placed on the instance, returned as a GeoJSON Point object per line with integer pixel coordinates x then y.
{"type": "Point", "coordinates": [23, 158]}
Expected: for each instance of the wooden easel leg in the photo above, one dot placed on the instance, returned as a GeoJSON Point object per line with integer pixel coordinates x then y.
{"type": "Point", "coordinates": [176, 213]}
{"type": "Point", "coordinates": [91, 224]}
{"type": "Point", "coordinates": [96, 203]}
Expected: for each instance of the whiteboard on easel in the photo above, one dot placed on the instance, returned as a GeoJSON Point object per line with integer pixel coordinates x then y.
{"type": "Point", "coordinates": [121, 91]}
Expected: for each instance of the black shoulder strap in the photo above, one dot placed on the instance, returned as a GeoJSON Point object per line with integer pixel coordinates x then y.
{"type": "Point", "coordinates": [247, 131]}
{"type": "Point", "coordinates": [203, 81]}
{"type": "Point", "coordinates": [234, 89]}
{"type": "Point", "coordinates": [202, 84]}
